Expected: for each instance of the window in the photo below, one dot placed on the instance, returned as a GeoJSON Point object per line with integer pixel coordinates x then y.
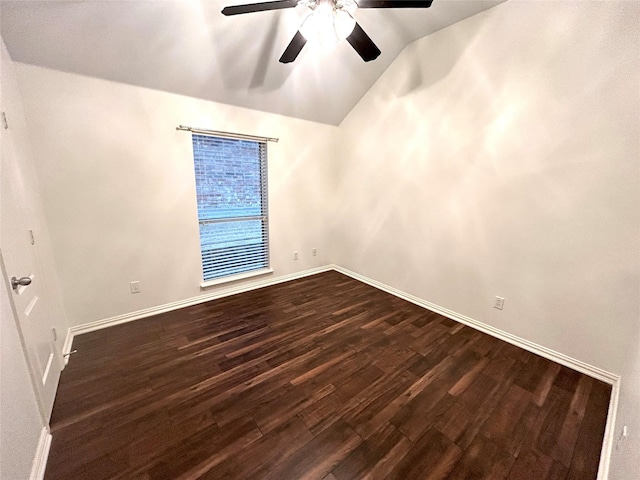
{"type": "Point", "coordinates": [231, 189]}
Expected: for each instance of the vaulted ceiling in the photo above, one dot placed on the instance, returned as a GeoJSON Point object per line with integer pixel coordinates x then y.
{"type": "Point", "coordinates": [188, 47]}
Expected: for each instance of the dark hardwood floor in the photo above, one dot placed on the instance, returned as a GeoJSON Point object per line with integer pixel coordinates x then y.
{"type": "Point", "coordinates": [319, 378]}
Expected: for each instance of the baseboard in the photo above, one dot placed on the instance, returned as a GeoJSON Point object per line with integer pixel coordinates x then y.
{"type": "Point", "coordinates": [149, 312]}
{"type": "Point", "coordinates": [42, 454]}
{"type": "Point", "coordinates": [592, 371]}
{"type": "Point", "coordinates": [66, 347]}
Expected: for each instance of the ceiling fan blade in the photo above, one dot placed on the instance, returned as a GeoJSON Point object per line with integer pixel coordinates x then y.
{"type": "Point", "coordinates": [293, 49]}
{"type": "Point", "coordinates": [259, 7]}
{"type": "Point", "coordinates": [394, 3]}
{"type": "Point", "coordinates": [362, 44]}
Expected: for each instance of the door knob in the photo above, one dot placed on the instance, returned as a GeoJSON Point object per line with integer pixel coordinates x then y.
{"type": "Point", "coordinates": [18, 282]}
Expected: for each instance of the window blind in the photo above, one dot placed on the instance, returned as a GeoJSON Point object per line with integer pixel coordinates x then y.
{"type": "Point", "coordinates": [231, 192]}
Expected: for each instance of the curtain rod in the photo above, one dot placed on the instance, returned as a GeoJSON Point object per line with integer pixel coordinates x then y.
{"type": "Point", "coordinates": [239, 136]}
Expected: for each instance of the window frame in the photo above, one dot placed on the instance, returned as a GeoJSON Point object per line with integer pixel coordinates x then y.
{"type": "Point", "coordinates": [263, 216]}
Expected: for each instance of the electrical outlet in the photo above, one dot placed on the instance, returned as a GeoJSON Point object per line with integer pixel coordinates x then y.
{"type": "Point", "coordinates": [135, 286]}
{"type": "Point", "coordinates": [295, 255]}
{"type": "Point", "coordinates": [499, 303]}
{"type": "Point", "coordinates": [314, 252]}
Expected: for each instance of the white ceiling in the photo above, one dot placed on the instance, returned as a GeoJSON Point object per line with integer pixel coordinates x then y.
{"type": "Point", "coordinates": [188, 47]}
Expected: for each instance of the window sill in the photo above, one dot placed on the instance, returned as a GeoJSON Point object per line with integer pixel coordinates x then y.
{"type": "Point", "coordinates": [233, 278]}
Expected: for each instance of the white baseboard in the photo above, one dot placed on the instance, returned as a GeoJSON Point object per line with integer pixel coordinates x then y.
{"type": "Point", "coordinates": [66, 347]}
{"type": "Point", "coordinates": [42, 454]}
{"type": "Point", "coordinates": [149, 312]}
{"type": "Point", "coordinates": [595, 372]}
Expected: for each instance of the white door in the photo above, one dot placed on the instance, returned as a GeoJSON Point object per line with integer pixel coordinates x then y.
{"type": "Point", "coordinates": [20, 257]}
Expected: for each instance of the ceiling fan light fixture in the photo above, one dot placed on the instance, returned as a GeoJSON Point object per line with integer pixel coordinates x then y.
{"type": "Point", "coordinates": [343, 23]}
{"type": "Point", "coordinates": [327, 25]}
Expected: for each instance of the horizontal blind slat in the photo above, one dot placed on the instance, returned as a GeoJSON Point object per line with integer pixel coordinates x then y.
{"type": "Point", "coordinates": [233, 261]}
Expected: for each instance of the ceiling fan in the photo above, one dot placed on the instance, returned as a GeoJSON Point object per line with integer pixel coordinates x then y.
{"type": "Point", "coordinates": [333, 16]}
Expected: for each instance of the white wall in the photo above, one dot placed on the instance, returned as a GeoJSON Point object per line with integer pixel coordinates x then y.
{"type": "Point", "coordinates": [501, 156]}
{"type": "Point", "coordinates": [119, 188]}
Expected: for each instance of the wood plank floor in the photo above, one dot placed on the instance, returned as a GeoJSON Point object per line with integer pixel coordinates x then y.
{"type": "Point", "coordinates": [319, 378]}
